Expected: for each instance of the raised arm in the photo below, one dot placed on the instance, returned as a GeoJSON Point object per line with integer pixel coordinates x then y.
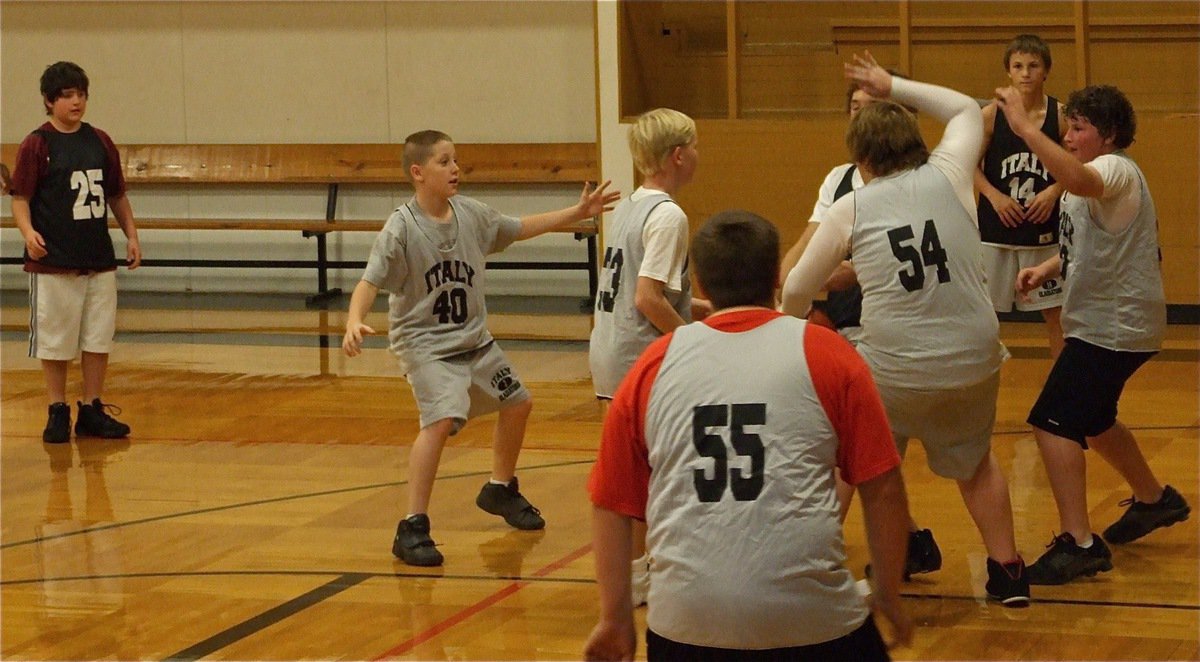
{"type": "Point", "coordinates": [823, 254]}
{"type": "Point", "coordinates": [1074, 176]}
{"type": "Point", "coordinates": [591, 203]}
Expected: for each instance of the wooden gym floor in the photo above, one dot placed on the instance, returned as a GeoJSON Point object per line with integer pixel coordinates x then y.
{"type": "Point", "coordinates": [250, 515]}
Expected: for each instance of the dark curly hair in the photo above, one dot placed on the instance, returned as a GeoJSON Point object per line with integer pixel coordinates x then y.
{"type": "Point", "coordinates": [1107, 109]}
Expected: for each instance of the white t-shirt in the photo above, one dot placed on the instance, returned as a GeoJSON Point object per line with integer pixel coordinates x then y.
{"type": "Point", "coordinates": [1121, 201]}
{"type": "Point", "coordinates": [828, 193]}
{"type": "Point", "coordinates": [665, 237]}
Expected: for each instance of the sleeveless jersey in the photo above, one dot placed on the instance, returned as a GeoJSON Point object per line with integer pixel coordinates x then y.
{"type": "Point", "coordinates": [620, 332]}
{"type": "Point", "coordinates": [69, 207]}
{"type": "Point", "coordinates": [1011, 167]}
{"type": "Point", "coordinates": [844, 307]}
{"type": "Point", "coordinates": [1114, 289]}
{"type": "Point", "coordinates": [434, 273]}
{"type": "Point", "coordinates": [927, 318]}
{"type": "Point", "coordinates": [764, 511]}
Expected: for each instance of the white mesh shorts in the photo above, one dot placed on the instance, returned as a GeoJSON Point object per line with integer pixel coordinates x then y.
{"type": "Point", "coordinates": [70, 313]}
{"type": "Point", "coordinates": [465, 386]}
{"type": "Point", "coordinates": [1001, 264]}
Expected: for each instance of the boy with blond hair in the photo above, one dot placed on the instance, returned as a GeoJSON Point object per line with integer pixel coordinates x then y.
{"type": "Point", "coordinates": [430, 257]}
{"type": "Point", "coordinates": [645, 287]}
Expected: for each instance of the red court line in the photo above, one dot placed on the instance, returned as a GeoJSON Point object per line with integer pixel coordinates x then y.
{"type": "Point", "coordinates": [474, 609]}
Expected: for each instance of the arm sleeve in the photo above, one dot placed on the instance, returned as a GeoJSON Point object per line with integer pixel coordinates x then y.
{"type": "Point", "coordinates": [30, 166]}
{"type": "Point", "coordinates": [957, 155]}
{"type": "Point", "coordinates": [664, 237]}
{"type": "Point", "coordinates": [620, 479]}
{"type": "Point", "coordinates": [824, 253]}
{"type": "Point", "coordinates": [386, 267]}
{"type": "Point", "coordinates": [114, 174]}
{"type": "Point", "coordinates": [844, 386]}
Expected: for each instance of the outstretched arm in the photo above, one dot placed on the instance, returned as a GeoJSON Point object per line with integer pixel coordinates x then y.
{"type": "Point", "coordinates": [1073, 176]}
{"type": "Point", "coordinates": [591, 203]}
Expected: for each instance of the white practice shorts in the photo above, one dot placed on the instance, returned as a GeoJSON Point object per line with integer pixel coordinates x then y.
{"type": "Point", "coordinates": [1001, 264]}
{"type": "Point", "coordinates": [465, 386]}
{"type": "Point", "coordinates": [954, 425]}
{"type": "Point", "coordinates": [70, 313]}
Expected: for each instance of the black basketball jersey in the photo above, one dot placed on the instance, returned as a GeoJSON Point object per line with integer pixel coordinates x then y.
{"type": "Point", "coordinates": [1010, 166]}
{"type": "Point", "coordinates": [69, 208]}
{"type": "Point", "coordinates": [844, 308]}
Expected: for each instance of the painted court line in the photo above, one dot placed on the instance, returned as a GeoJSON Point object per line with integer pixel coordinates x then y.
{"type": "Point", "coordinates": [478, 607]}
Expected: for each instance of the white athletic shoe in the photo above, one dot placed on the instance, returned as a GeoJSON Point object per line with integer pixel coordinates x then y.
{"type": "Point", "coordinates": [640, 580]}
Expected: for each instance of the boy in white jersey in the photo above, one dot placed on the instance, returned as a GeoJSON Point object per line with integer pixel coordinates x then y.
{"type": "Point", "coordinates": [929, 333]}
{"type": "Point", "coordinates": [430, 257]}
{"type": "Point", "coordinates": [1018, 198]}
{"type": "Point", "coordinates": [1114, 318]}
{"type": "Point", "coordinates": [646, 290]}
{"type": "Point", "coordinates": [723, 437]}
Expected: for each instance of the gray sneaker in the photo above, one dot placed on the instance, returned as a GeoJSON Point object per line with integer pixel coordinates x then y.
{"type": "Point", "coordinates": [1067, 561]}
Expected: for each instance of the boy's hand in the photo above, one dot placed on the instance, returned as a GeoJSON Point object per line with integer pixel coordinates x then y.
{"type": "Point", "coordinates": [611, 641]}
{"type": "Point", "coordinates": [893, 611]}
{"type": "Point", "coordinates": [593, 203]}
{"type": "Point", "coordinates": [1010, 211]}
{"type": "Point", "coordinates": [1029, 279]}
{"type": "Point", "coordinates": [133, 253]}
{"type": "Point", "coordinates": [1041, 206]}
{"type": "Point", "coordinates": [352, 341]}
{"type": "Point", "coordinates": [35, 245]}
{"type": "Point", "coordinates": [1009, 100]}
{"type": "Point", "coordinates": [871, 78]}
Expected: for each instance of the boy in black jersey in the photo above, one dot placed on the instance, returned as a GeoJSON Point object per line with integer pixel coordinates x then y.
{"type": "Point", "coordinates": [66, 179]}
{"type": "Point", "coordinates": [1018, 197]}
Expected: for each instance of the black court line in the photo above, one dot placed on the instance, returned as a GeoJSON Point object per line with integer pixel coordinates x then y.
{"type": "Point", "coordinates": [260, 502]}
{"type": "Point", "coordinates": [1142, 428]}
{"type": "Point", "coordinates": [268, 618]}
{"type": "Point", "coordinates": [175, 574]}
{"type": "Point", "coordinates": [1059, 601]}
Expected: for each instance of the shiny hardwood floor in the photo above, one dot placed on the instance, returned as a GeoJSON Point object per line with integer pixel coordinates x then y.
{"type": "Point", "coordinates": [250, 515]}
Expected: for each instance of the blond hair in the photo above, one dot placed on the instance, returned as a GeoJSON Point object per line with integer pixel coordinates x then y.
{"type": "Point", "coordinates": [655, 134]}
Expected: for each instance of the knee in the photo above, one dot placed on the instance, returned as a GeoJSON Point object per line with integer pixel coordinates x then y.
{"type": "Point", "coordinates": [440, 429]}
{"type": "Point", "coordinates": [521, 409]}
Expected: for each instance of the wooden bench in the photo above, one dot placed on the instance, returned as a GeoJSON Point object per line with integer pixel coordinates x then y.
{"type": "Point", "coordinates": [334, 165]}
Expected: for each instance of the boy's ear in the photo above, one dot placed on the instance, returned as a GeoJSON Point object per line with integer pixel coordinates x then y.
{"type": "Point", "coordinates": [414, 172]}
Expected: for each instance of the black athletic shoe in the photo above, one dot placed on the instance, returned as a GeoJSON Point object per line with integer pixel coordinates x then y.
{"type": "Point", "coordinates": [1066, 561]}
{"type": "Point", "coordinates": [94, 421]}
{"type": "Point", "coordinates": [58, 424]}
{"type": "Point", "coordinates": [923, 555]}
{"type": "Point", "coordinates": [507, 502]}
{"type": "Point", "coordinates": [1008, 583]}
{"type": "Point", "coordinates": [412, 543]}
{"type": "Point", "coordinates": [1142, 518]}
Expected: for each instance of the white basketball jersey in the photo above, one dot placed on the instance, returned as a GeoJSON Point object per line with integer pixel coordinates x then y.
{"type": "Point", "coordinates": [1114, 288]}
{"type": "Point", "coordinates": [927, 318]}
{"type": "Point", "coordinates": [742, 455]}
{"type": "Point", "coordinates": [620, 332]}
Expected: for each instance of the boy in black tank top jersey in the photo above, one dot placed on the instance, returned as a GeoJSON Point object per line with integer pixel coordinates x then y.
{"type": "Point", "coordinates": [1018, 197]}
{"type": "Point", "coordinates": [67, 177]}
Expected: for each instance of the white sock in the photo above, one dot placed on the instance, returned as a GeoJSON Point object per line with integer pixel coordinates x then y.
{"type": "Point", "coordinates": [493, 481]}
{"type": "Point", "coordinates": [1086, 544]}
